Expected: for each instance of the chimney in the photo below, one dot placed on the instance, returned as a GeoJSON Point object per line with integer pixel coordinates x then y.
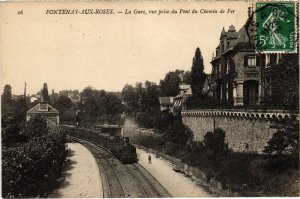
{"type": "Point", "coordinates": [231, 29]}
{"type": "Point", "coordinates": [249, 11]}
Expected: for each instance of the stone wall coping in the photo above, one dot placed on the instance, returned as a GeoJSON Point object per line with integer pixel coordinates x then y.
{"type": "Point", "coordinates": [256, 114]}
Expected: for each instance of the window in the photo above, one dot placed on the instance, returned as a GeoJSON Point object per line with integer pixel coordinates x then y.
{"type": "Point", "coordinates": [222, 47]}
{"type": "Point", "coordinates": [227, 88]}
{"type": "Point", "coordinates": [228, 66]}
{"type": "Point", "coordinates": [251, 61]}
{"type": "Point", "coordinates": [271, 59]}
{"type": "Point", "coordinates": [261, 60]}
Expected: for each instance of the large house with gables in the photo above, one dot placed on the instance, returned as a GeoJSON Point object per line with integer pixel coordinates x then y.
{"type": "Point", "coordinates": [240, 76]}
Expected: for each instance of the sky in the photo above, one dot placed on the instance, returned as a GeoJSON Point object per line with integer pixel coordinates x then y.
{"type": "Point", "coordinates": [106, 51]}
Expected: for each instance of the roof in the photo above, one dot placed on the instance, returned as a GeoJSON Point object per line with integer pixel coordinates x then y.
{"type": "Point", "coordinates": [184, 86]}
{"type": "Point", "coordinates": [112, 126]}
{"type": "Point", "coordinates": [36, 109]}
{"type": "Point", "coordinates": [240, 38]}
{"type": "Point", "coordinates": [166, 101]}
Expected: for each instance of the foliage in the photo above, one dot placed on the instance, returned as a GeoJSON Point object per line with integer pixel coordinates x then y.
{"type": "Point", "coordinates": [215, 141]}
{"type": "Point", "coordinates": [29, 170]}
{"type": "Point", "coordinates": [200, 101]}
{"type": "Point", "coordinates": [10, 130]}
{"type": "Point", "coordinates": [63, 102]}
{"type": "Point", "coordinates": [169, 86]}
{"type": "Point", "coordinates": [130, 96]}
{"type": "Point", "coordinates": [66, 109]}
{"type": "Point", "coordinates": [285, 82]}
{"type": "Point", "coordinates": [178, 133]}
{"type": "Point", "coordinates": [45, 94]}
{"type": "Point", "coordinates": [141, 97]}
{"type": "Point", "coordinates": [143, 120]}
{"type": "Point", "coordinates": [163, 120]}
{"type": "Point", "coordinates": [197, 75]}
{"type": "Point", "coordinates": [36, 127]}
{"type": "Point", "coordinates": [31, 167]}
{"type": "Point", "coordinates": [6, 98]}
{"type": "Point", "coordinates": [285, 139]}
{"type": "Point", "coordinates": [98, 106]}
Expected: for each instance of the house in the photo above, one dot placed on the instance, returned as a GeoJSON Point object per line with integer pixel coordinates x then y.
{"type": "Point", "coordinates": [45, 110]}
{"type": "Point", "coordinates": [166, 103]}
{"type": "Point", "coordinates": [240, 76]}
{"type": "Point", "coordinates": [185, 91]}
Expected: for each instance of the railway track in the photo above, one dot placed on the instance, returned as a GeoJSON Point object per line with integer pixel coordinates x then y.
{"type": "Point", "coordinates": [124, 180]}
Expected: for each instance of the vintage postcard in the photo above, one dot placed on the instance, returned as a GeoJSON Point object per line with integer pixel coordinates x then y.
{"type": "Point", "coordinates": [114, 99]}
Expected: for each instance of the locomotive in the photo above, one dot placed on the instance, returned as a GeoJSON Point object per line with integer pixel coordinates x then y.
{"type": "Point", "coordinates": [118, 145]}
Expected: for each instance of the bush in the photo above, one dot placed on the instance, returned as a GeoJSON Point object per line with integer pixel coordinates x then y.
{"type": "Point", "coordinates": [178, 133]}
{"type": "Point", "coordinates": [30, 169]}
{"type": "Point", "coordinates": [143, 120]}
{"type": "Point", "coordinates": [215, 141]}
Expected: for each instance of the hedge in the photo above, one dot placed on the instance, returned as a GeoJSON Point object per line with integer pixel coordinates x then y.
{"type": "Point", "coordinates": [30, 170]}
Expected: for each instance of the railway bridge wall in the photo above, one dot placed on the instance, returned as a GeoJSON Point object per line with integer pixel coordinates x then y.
{"type": "Point", "coordinates": [246, 131]}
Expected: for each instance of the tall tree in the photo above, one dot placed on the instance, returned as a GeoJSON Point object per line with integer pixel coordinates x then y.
{"type": "Point", "coordinates": [7, 95]}
{"type": "Point", "coordinates": [6, 99]}
{"type": "Point", "coordinates": [45, 94]}
{"type": "Point", "coordinates": [197, 74]}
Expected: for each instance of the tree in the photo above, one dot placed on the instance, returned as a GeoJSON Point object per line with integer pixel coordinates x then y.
{"type": "Point", "coordinates": [285, 82]}
{"type": "Point", "coordinates": [66, 109]}
{"type": "Point", "coordinates": [197, 75]}
{"type": "Point", "coordinates": [215, 141]}
{"type": "Point", "coordinates": [63, 102]}
{"type": "Point", "coordinates": [151, 97]}
{"type": "Point", "coordinates": [9, 130]}
{"type": "Point", "coordinates": [37, 127]}
{"type": "Point", "coordinates": [163, 120]}
{"type": "Point", "coordinates": [6, 99]}
{"type": "Point", "coordinates": [113, 108]}
{"type": "Point", "coordinates": [169, 86]}
{"type": "Point", "coordinates": [45, 94]}
{"type": "Point", "coordinates": [186, 78]}
{"type": "Point", "coordinates": [178, 133]}
{"type": "Point", "coordinates": [7, 95]}
{"type": "Point", "coordinates": [130, 96]}
{"type": "Point", "coordinates": [285, 139]}
{"type": "Point", "coordinates": [98, 106]}
{"type": "Point", "coordinates": [144, 120]}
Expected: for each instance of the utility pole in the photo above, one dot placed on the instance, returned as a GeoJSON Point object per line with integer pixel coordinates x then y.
{"type": "Point", "coordinates": [25, 91]}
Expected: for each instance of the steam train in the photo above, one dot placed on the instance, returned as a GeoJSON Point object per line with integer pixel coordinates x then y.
{"type": "Point", "coordinates": [107, 138]}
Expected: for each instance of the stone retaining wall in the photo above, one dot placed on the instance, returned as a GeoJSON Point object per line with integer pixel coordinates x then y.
{"type": "Point", "coordinates": [243, 134]}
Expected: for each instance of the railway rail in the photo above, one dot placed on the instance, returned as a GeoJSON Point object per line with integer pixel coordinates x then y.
{"type": "Point", "coordinates": [123, 180]}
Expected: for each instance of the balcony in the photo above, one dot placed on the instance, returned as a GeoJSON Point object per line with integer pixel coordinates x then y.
{"type": "Point", "coordinates": [252, 71]}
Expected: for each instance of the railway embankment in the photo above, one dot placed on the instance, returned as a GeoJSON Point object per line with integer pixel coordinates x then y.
{"type": "Point", "coordinates": [225, 174]}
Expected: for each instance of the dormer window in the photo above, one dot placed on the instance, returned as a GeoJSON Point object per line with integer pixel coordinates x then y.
{"type": "Point", "coordinates": [222, 47]}
{"type": "Point", "coordinates": [43, 106]}
{"type": "Point", "coordinates": [228, 44]}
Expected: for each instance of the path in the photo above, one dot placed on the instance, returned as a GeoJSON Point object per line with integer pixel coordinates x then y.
{"type": "Point", "coordinates": [81, 175]}
{"type": "Point", "coordinates": [175, 183]}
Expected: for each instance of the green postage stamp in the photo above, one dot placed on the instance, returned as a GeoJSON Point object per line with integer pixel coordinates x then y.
{"type": "Point", "coordinates": [276, 27]}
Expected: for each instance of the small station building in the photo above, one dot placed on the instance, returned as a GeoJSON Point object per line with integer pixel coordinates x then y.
{"type": "Point", "coordinates": [45, 110]}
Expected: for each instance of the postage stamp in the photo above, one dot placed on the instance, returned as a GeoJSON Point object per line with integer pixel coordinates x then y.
{"type": "Point", "coordinates": [276, 28]}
